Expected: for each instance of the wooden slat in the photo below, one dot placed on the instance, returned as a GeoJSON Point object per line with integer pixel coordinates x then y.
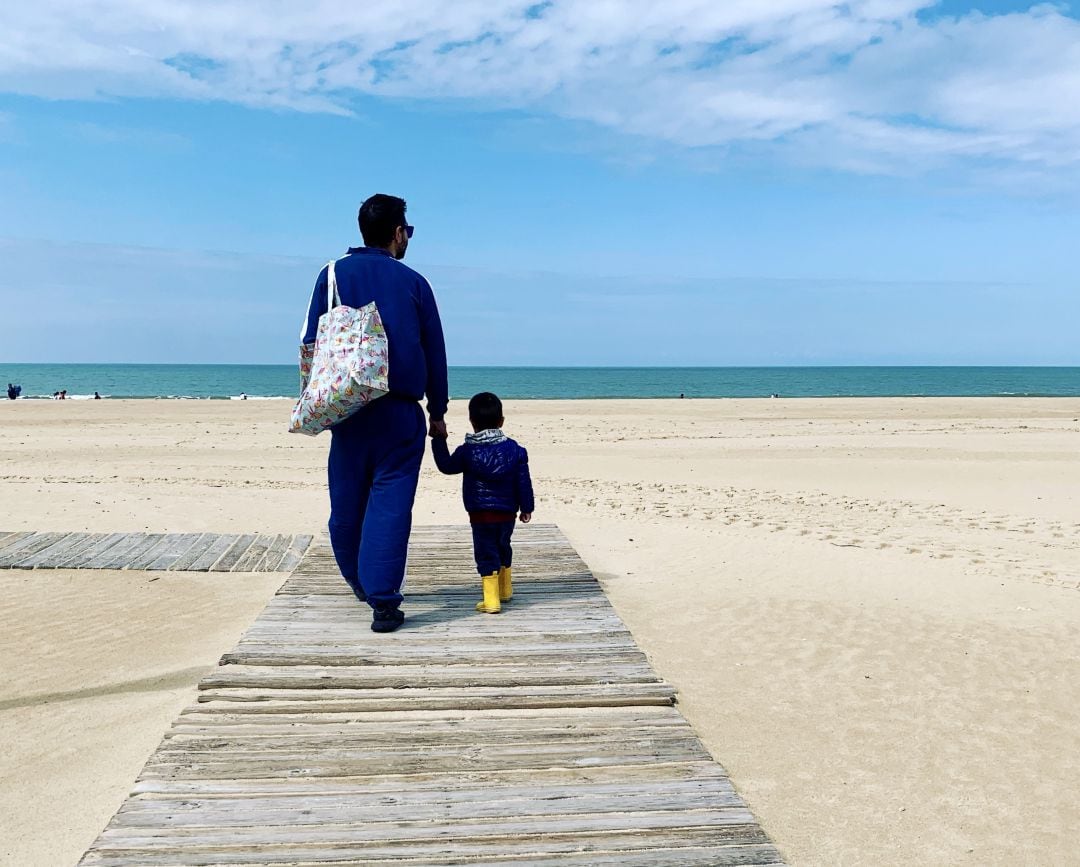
{"type": "Point", "coordinates": [182, 543]}
{"type": "Point", "coordinates": [732, 844]}
{"type": "Point", "coordinates": [589, 848]}
{"type": "Point", "coordinates": [123, 555]}
{"type": "Point", "coordinates": [14, 555]}
{"type": "Point", "coordinates": [240, 700]}
{"type": "Point", "coordinates": [423, 806]}
{"type": "Point", "coordinates": [11, 538]}
{"type": "Point", "coordinates": [102, 542]}
{"type": "Point", "coordinates": [116, 552]}
{"type": "Point", "coordinates": [493, 781]}
{"type": "Point", "coordinates": [295, 553]}
{"type": "Point", "coordinates": [156, 544]}
{"type": "Point", "coordinates": [736, 820]}
{"type": "Point", "coordinates": [453, 759]}
{"type": "Point", "coordinates": [72, 556]}
{"type": "Point", "coordinates": [448, 654]}
{"type": "Point", "coordinates": [538, 736]}
{"type": "Point", "coordinates": [200, 546]}
{"type": "Point", "coordinates": [214, 552]}
{"type": "Point", "coordinates": [254, 554]}
{"type": "Point", "coordinates": [232, 556]}
{"type": "Point", "coordinates": [274, 554]}
{"type": "Point", "coordinates": [266, 677]}
{"type": "Point", "coordinates": [153, 551]}
{"type": "Point", "coordinates": [64, 547]}
{"type": "Point", "coordinates": [441, 727]}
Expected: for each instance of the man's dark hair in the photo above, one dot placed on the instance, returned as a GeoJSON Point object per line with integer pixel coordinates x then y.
{"type": "Point", "coordinates": [379, 218]}
{"type": "Point", "coordinates": [485, 411]}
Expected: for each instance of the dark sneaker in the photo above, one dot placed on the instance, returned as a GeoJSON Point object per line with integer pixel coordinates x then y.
{"type": "Point", "coordinates": [386, 619]}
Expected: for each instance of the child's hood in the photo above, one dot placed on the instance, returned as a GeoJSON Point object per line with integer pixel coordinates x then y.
{"type": "Point", "coordinates": [493, 457]}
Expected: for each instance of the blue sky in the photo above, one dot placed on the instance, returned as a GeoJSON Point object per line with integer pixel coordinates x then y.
{"type": "Point", "coordinates": [886, 181]}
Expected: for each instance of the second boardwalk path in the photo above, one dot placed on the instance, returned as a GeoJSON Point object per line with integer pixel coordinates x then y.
{"type": "Point", "coordinates": [537, 736]}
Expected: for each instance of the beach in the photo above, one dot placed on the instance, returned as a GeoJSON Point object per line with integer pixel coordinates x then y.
{"type": "Point", "coordinates": [870, 607]}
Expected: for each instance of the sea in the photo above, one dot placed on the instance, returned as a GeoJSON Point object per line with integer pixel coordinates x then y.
{"type": "Point", "coordinates": [281, 381]}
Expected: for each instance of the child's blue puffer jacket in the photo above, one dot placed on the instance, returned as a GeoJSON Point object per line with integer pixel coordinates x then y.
{"type": "Point", "coordinates": [496, 474]}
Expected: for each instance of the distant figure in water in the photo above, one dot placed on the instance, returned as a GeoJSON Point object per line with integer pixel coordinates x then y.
{"type": "Point", "coordinates": [243, 395]}
{"type": "Point", "coordinates": [56, 395]}
{"type": "Point", "coordinates": [774, 394]}
{"type": "Point", "coordinates": [11, 393]}
{"type": "Point", "coordinates": [97, 396]}
{"type": "Point", "coordinates": [681, 396]}
{"type": "Point", "coordinates": [63, 394]}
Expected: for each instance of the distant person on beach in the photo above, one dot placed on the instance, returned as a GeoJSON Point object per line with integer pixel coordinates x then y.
{"type": "Point", "coordinates": [375, 455]}
{"type": "Point", "coordinates": [97, 396]}
{"type": "Point", "coordinates": [243, 395]}
{"type": "Point", "coordinates": [496, 485]}
{"type": "Point", "coordinates": [11, 393]}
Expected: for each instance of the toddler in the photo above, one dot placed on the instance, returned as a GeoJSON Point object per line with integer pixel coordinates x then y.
{"type": "Point", "coordinates": [496, 486]}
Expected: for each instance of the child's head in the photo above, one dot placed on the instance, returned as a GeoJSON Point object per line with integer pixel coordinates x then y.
{"type": "Point", "coordinates": [485, 411]}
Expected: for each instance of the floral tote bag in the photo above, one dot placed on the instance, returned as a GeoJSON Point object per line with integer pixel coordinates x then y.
{"type": "Point", "coordinates": [347, 366]}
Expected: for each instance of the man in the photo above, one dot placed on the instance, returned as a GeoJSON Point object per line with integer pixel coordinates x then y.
{"type": "Point", "coordinates": [375, 455]}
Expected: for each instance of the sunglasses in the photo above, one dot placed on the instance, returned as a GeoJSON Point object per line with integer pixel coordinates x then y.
{"type": "Point", "coordinates": [408, 231]}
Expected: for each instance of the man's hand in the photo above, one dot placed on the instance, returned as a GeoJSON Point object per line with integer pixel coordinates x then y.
{"type": "Point", "coordinates": [438, 429]}
{"type": "Point", "coordinates": [526, 517]}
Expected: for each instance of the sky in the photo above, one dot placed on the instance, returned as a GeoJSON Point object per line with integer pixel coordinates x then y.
{"type": "Point", "coordinates": [792, 182]}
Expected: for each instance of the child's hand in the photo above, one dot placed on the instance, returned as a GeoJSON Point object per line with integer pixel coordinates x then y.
{"type": "Point", "coordinates": [526, 517]}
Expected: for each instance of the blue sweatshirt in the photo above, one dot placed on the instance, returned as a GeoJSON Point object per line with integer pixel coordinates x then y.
{"type": "Point", "coordinates": [409, 315]}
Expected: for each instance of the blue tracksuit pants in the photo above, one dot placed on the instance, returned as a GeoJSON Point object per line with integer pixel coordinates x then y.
{"type": "Point", "coordinates": [373, 470]}
{"type": "Point", "coordinates": [491, 546]}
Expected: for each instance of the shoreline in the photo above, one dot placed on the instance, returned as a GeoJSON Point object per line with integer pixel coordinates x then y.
{"type": "Point", "coordinates": [605, 398]}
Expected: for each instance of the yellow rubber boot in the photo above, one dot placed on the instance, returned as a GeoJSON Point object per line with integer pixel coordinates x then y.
{"type": "Point", "coordinates": [490, 603]}
{"type": "Point", "coordinates": [506, 585]}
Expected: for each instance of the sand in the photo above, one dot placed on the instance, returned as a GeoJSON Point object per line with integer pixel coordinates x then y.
{"type": "Point", "coordinates": [871, 608]}
{"type": "Point", "coordinates": [96, 665]}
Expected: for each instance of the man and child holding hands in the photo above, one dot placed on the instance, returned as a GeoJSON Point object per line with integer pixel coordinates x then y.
{"type": "Point", "coordinates": [376, 452]}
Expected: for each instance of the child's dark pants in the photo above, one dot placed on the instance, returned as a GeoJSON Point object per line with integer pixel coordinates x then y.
{"type": "Point", "coordinates": [491, 546]}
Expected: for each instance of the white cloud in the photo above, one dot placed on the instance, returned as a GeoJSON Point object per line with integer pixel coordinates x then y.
{"type": "Point", "coordinates": [865, 85]}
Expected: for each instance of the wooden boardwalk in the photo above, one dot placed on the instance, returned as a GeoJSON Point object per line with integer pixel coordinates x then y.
{"type": "Point", "coordinates": [537, 736]}
{"type": "Point", "coordinates": [175, 552]}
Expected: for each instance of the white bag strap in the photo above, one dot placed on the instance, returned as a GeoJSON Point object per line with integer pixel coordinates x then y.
{"type": "Point", "coordinates": [332, 297]}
